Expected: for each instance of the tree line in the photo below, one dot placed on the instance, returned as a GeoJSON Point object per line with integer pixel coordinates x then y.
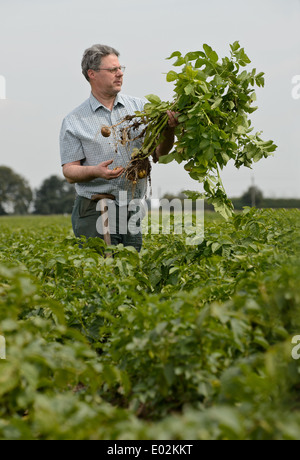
{"type": "Point", "coordinates": [56, 196]}
{"type": "Point", "coordinates": [253, 197]}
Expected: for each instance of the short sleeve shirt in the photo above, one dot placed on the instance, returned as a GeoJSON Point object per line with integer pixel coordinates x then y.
{"type": "Point", "coordinates": [81, 140]}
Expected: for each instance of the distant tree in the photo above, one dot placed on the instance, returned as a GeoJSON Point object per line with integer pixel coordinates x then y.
{"type": "Point", "coordinates": [15, 192]}
{"type": "Point", "coordinates": [252, 197]}
{"type": "Point", "coordinates": [55, 196]}
{"type": "Point", "coordinates": [170, 196]}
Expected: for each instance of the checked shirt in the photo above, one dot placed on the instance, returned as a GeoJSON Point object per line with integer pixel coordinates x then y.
{"type": "Point", "coordinates": [81, 140]}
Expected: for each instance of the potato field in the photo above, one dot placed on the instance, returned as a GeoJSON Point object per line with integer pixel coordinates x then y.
{"type": "Point", "coordinates": [177, 342]}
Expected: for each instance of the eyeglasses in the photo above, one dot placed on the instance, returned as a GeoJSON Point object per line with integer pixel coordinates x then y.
{"type": "Point", "coordinates": [114, 70]}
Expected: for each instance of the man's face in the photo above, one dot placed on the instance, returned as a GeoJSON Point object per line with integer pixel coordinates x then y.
{"type": "Point", "coordinates": [104, 81]}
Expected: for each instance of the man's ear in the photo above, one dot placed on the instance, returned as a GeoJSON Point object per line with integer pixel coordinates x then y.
{"type": "Point", "coordinates": [91, 74]}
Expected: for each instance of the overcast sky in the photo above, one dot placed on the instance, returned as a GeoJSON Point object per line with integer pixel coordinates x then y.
{"type": "Point", "coordinates": [42, 42]}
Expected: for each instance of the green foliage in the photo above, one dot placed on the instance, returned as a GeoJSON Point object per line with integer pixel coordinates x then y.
{"type": "Point", "coordinates": [214, 98]}
{"type": "Point", "coordinates": [174, 342]}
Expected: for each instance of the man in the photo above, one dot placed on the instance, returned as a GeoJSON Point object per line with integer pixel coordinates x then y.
{"type": "Point", "coordinates": [87, 157]}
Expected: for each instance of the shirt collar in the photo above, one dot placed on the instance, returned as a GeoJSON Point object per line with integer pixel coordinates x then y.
{"type": "Point", "coordinates": [95, 104]}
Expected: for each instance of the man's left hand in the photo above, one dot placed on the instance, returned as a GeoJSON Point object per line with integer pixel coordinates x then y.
{"type": "Point", "coordinates": [173, 119]}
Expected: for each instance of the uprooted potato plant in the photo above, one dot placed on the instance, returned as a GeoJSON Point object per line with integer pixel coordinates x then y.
{"type": "Point", "coordinates": [214, 100]}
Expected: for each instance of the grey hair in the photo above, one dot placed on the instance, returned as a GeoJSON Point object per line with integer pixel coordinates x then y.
{"type": "Point", "coordinates": [92, 57]}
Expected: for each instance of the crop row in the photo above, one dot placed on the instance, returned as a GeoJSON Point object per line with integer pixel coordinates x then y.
{"type": "Point", "coordinates": [175, 342]}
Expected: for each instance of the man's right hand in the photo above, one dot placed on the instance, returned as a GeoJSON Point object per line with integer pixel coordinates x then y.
{"type": "Point", "coordinates": [107, 173]}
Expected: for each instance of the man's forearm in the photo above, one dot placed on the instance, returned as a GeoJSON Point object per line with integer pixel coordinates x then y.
{"type": "Point", "coordinates": [78, 173]}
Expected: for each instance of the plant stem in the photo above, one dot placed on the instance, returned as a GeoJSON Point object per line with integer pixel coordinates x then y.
{"type": "Point", "coordinates": [219, 178]}
{"type": "Point", "coordinates": [152, 136]}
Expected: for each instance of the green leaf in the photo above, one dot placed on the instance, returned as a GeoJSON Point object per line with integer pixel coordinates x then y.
{"type": "Point", "coordinates": [180, 61]}
{"type": "Point", "coordinates": [200, 62]}
{"type": "Point", "coordinates": [165, 159]}
{"type": "Point", "coordinates": [193, 55]}
{"type": "Point", "coordinates": [171, 75]}
{"type": "Point", "coordinates": [208, 49]}
{"type": "Point", "coordinates": [259, 79]}
{"type": "Point", "coordinates": [153, 99]}
{"type": "Point", "coordinates": [189, 89]}
{"type": "Point", "coordinates": [204, 143]}
{"type": "Point", "coordinates": [215, 246]}
{"type": "Point", "coordinates": [217, 102]}
{"type": "Point", "coordinates": [210, 53]}
{"type": "Point", "coordinates": [209, 152]}
{"type": "Point", "coordinates": [174, 54]}
{"type": "Point", "coordinates": [235, 46]}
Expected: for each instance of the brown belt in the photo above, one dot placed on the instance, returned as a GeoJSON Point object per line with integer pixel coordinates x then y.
{"type": "Point", "coordinates": [102, 196]}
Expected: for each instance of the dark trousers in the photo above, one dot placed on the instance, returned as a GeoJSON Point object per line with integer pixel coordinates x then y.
{"type": "Point", "coordinates": [86, 221]}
